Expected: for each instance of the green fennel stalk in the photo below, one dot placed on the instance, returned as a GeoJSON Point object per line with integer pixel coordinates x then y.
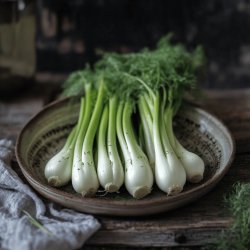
{"type": "Point", "coordinates": [133, 81]}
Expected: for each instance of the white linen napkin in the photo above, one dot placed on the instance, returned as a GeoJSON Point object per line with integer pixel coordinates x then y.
{"type": "Point", "coordinates": [68, 229]}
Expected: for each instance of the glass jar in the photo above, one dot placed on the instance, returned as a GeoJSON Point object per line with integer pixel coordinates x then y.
{"type": "Point", "coordinates": [17, 44]}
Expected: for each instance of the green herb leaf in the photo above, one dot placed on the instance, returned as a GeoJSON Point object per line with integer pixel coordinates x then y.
{"type": "Point", "coordinates": [37, 224]}
{"type": "Point", "coordinates": [237, 236]}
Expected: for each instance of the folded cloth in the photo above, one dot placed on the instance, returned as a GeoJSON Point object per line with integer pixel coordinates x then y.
{"type": "Point", "coordinates": [65, 228]}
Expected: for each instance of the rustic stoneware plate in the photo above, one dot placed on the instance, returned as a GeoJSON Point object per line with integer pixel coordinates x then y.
{"type": "Point", "coordinates": [45, 134]}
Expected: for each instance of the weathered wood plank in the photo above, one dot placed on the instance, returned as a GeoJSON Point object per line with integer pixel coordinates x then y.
{"type": "Point", "coordinates": [14, 115]}
{"type": "Point", "coordinates": [142, 238]}
{"type": "Point", "coordinates": [16, 111]}
{"type": "Point", "coordinates": [233, 108]}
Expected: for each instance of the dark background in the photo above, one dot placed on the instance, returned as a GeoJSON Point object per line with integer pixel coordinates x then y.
{"type": "Point", "coordinates": [68, 34]}
{"type": "Point", "coordinates": [85, 28]}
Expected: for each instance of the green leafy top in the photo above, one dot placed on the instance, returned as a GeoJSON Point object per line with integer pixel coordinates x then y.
{"type": "Point", "coordinates": [237, 236]}
{"type": "Point", "coordinates": [75, 84]}
{"type": "Point", "coordinates": [127, 75]}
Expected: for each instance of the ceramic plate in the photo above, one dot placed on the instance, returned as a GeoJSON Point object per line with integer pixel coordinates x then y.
{"type": "Point", "coordinates": [198, 131]}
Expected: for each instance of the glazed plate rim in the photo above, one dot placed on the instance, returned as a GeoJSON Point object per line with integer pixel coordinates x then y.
{"type": "Point", "coordinates": [183, 197]}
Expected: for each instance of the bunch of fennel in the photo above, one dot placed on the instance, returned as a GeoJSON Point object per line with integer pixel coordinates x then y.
{"type": "Point", "coordinates": [150, 84]}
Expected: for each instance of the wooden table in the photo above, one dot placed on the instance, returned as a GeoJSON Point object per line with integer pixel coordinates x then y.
{"type": "Point", "coordinates": [193, 225]}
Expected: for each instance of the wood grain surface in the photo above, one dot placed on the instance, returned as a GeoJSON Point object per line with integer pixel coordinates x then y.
{"type": "Point", "coordinates": [191, 226]}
